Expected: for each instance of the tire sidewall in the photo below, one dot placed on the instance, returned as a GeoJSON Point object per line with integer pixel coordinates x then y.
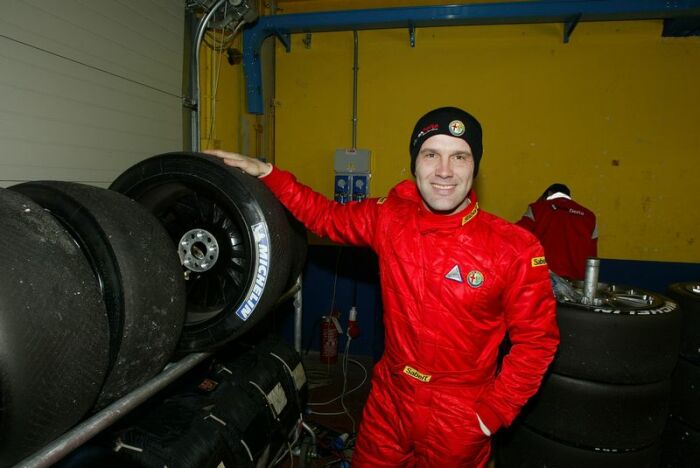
{"type": "Point", "coordinates": [254, 204]}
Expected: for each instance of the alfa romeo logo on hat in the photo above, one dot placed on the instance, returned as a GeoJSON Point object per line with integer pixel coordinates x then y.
{"type": "Point", "coordinates": [456, 128]}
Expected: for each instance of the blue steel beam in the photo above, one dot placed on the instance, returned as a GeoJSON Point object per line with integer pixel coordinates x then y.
{"type": "Point", "coordinates": [543, 11]}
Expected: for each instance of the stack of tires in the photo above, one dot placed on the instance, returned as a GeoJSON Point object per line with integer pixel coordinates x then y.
{"type": "Point", "coordinates": [604, 401]}
{"type": "Point", "coordinates": [244, 412]}
{"type": "Point", "coordinates": [92, 306]}
{"type": "Point", "coordinates": [100, 291]}
{"type": "Point", "coordinates": [681, 442]}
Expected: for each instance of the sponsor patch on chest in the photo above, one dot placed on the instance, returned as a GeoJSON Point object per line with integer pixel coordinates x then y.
{"type": "Point", "coordinates": [454, 274]}
{"type": "Point", "coordinates": [474, 278]}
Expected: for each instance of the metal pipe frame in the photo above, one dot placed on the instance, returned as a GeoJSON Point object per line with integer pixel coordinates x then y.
{"type": "Point", "coordinates": [194, 80]}
{"type": "Point", "coordinates": [569, 12]}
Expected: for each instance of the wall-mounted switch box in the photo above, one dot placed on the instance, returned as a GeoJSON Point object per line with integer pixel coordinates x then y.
{"type": "Point", "coordinates": [343, 188]}
{"type": "Point", "coordinates": [353, 171]}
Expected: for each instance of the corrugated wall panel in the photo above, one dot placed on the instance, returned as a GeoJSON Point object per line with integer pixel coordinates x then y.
{"type": "Point", "coordinates": [88, 88]}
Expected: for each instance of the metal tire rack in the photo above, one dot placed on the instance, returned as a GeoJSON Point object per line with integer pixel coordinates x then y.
{"type": "Point", "coordinates": [90, 427]}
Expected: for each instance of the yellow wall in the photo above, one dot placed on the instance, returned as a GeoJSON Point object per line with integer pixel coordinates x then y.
{"type": "Point", "coordinates": [220, 100]}
{"type": "Point", "coordinates": [224, 122]}
{"type": "Point", "coordinates": [613, 114]}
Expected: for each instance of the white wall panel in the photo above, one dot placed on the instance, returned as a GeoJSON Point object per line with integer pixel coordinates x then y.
{"type": "Point", "coordinates": [88, 87]}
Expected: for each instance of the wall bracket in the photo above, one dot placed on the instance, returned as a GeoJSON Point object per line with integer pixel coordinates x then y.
{"type": "Point", "coordinates": [306, 41]}
{"type": "Point", "coordinates": [569, 27]}
{"type": "Point", "coordinates": [286, 40]}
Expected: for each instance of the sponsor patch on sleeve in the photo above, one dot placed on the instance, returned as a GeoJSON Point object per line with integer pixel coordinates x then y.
{"type": "Point", "coordinates": [538, 261]}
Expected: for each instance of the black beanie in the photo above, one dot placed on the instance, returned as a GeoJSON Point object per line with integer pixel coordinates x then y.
{"type": "Point", "coordinates": [447, 121]}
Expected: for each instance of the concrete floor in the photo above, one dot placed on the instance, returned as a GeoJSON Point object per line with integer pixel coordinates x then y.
{"type": "Point", "coordinates": [326, 415]}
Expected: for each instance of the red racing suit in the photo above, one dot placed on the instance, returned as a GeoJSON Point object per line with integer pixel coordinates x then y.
{"type": "Point", "coordinates": [568, 232]}
{"type": "Point", "coordinates": [452, 287]}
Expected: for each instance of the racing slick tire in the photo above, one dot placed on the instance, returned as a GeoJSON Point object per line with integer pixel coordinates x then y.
{"type": "Point", "coordinates": [688, 297]}
{"type": "Point", "coordinates": [680, 445]}
{"type": "Point", "coordinates": [622, 344]}
{"type": "Point", "coordinates": [685, 393]}
{"type": "Point", "coordinates": [232, 236]}
{"type": "Point", "coordinates": [137, 269]}
{"type": "Point", "coordinates": [596, 415]}
{"type": "Point", "coordinates": [55, 335]}
{"type": "Point", "coordinates": [522, 447]}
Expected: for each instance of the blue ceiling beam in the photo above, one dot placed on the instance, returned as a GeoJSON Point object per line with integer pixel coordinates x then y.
{"type": "Point", "coordinates": [569, 12]}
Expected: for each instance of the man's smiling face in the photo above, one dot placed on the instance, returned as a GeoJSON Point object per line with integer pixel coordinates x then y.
{"type": "Point", "coordinates": [445, 173]}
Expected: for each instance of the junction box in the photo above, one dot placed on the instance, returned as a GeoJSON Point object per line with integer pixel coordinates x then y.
{"type": "Point", "coordinates": [353, 171]}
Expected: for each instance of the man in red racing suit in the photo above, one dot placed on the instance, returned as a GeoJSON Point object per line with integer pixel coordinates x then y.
{"type": "Point", "coordinates": [454, 282]}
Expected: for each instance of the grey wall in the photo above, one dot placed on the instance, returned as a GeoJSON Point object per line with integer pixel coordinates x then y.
{"type": "Point", "coordinates": [88, 87]}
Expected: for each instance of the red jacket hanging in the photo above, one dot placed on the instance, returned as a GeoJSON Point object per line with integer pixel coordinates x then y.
{"type": "Point", "coordinates": [568, 232]}
{"type": "Point", "coordinates": [452, 287]}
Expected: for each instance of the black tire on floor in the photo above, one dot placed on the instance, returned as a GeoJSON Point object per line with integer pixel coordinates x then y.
{"type": "Point", "coordinates": [249, 423]}
{"type": "Point", "coordinates": [231, 232]}
{"type": "Point", "coordinates": [55, 334]}
{"type": "Point", "coordinates": [688, 297]}
{"type": "Point", "coordinates": [521, 447]}
{"type": "Point", "coordinates": [685, 395]}
{"type": "Point", "coordinates": [680, 445]}
{"type": "Point", "coordinates": [265, 374]}
{"type": "Point", "coordinates": [137, 268]}
{"type": "Point", "coordinates": [293, 367]}
{"type": "Point", "coordinates": [620, 345]}
{"type": "Point", "coordinates": [597, 415]}
{"type": "Point", "coordinates": [181, 431]}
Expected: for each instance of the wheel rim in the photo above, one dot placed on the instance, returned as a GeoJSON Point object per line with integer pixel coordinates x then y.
{"type": "Point", "coordinates": [213, 246]}
{"type": "Point", "coordinates": [612, 295]}
{"type": "Point", "coordinates": [198, 250]}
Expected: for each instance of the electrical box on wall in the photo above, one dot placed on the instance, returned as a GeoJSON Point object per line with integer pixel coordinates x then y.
{"type": "Point", "coordinates": [353, 171]}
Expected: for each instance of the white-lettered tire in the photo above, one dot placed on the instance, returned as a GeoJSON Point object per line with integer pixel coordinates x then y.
{"type": "Point", "coordinates": [232, 236]}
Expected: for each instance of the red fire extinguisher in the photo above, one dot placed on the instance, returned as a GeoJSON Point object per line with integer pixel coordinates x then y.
{"type": "Point", "coordinates": [330, 330]}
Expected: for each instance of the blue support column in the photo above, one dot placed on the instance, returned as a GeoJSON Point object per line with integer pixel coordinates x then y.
{"type": "Point", "coordinates": [543, 11]}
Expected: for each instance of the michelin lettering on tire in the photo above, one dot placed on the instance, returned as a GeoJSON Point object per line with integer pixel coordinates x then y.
{"type": "Point", "coordinates": [668, 307]}
{"type": "Point", "coordinates": [262, 262]}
